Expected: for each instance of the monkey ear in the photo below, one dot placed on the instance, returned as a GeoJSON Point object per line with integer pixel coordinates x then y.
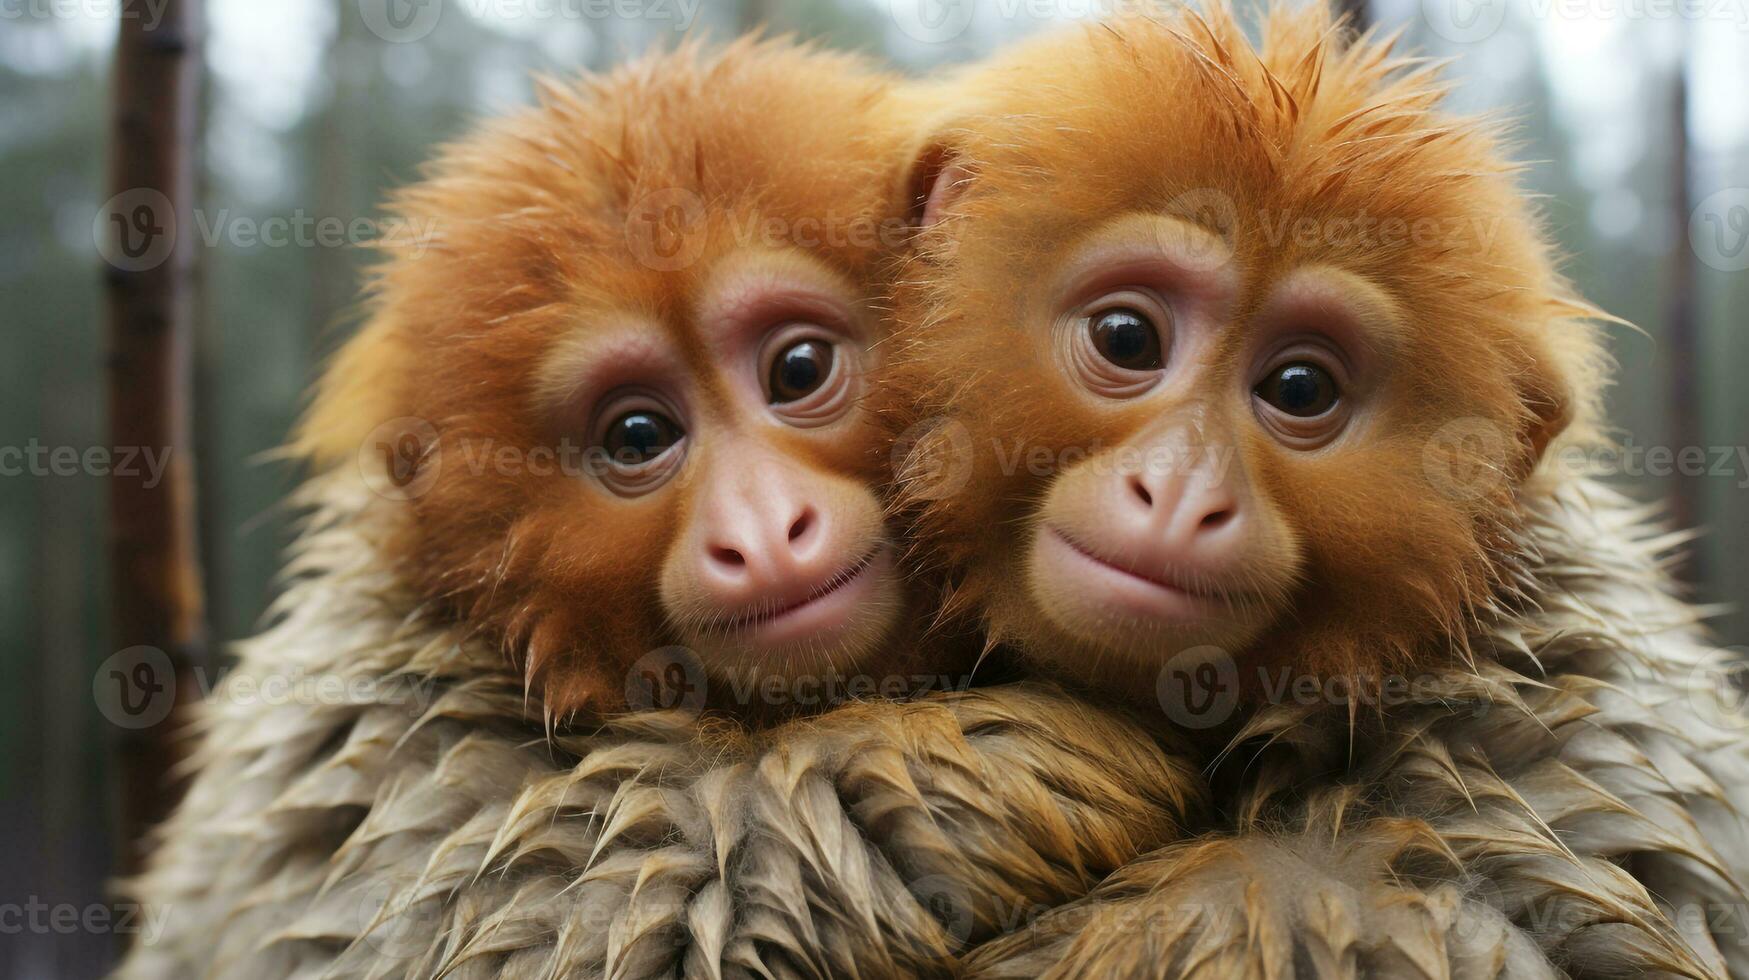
{"type": "Point", "coordinates": [938, 179]}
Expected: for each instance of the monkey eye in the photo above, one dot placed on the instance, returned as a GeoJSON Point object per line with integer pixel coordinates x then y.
{"type": "Point", "coordinates": [639, 436]}
{"type": "Point", "coordinates": [811, 373]}
{"type": "Point", "coordinates": [1300, 389]}
{"type": "Point", "coordinates": [1127, 337]}
{"type": "Point", "coordinates": [1118, 345]}
{"type": "Point", "coordinates": [798, 371]}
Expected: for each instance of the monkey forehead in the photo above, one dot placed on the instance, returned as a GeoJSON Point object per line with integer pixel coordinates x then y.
{"type": "Point", "coordinates": [1352, 309]}
{"type": "Point", "coordinates": [608, 349]}
{"type": "Point", "coordinates": [723, 311]}
{"type": "Point", "coordinates": [1192, 257]}
{"type": "Point", "coordinates": [750, 289]}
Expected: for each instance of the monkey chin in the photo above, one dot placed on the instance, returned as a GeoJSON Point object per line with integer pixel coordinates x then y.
{"type": "Point", "coordinates": [1094, 611]}
{"type": "Point", "coordinates": [843, 627]}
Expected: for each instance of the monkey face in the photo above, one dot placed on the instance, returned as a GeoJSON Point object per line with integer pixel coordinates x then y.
{"type": "Point", "coordinates": [1189, 422]}
{"type": "Point", "coordinates": [638, 359]}
{"type": "Point", "coordinates": [688, 461]}
{"type": "Point", "coordinates": [735, 432]}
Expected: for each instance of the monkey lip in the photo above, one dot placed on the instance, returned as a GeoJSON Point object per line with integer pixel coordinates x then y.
{"type": "Point", "coordinates": [1153, 595]}
{"type": "Point", "coordinates": [830, 605]}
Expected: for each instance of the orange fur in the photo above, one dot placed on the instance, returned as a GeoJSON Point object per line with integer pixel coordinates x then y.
{"type": "Point", "coordinates": [783, 151]}
{"type": "Point", "coordinates": [1381, 565]}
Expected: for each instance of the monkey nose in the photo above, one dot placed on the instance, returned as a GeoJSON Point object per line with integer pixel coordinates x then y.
{"type": "Point", "coordinates": [759, 553]}
{"type": "Point", "coordinates": [1191, 516]}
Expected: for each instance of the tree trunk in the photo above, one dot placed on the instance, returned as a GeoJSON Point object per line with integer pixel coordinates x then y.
{"type": "Point", "coordinates": [149, 246]}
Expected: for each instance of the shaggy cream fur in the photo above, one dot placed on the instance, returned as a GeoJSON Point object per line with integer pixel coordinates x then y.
{"type": "Point", "coordinates": [1573, 806]}
{"type": "Point", "coordinates": [414, 818]}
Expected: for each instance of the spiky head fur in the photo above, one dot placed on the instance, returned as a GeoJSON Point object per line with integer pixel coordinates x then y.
{"type": "Point", "coordinates": [1400, 537]}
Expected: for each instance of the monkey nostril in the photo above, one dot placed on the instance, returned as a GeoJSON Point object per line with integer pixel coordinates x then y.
{"type": "Point", "coordinates": [1141, 492]}
{"type": "Point", "coordinates": [727, 556]}
{"type": "Point", "coordinates": [802, 525]}
{"type": "Point", "coordinates": [1216, 519]}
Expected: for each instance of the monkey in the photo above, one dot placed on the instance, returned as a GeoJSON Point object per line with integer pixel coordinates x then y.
{"type": "Point", "coordinates": [625, 398]}
{"type": "Point", "coordinates": [1231, 366]}
{"type": "Point", "coordinates": [639, 416]}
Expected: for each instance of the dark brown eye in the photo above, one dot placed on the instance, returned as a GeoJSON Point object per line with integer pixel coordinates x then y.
{"type": "Point", "coordinates": [799, 370]}
{"type": "Point", "coordinates": [638, 437]}
{"type": "Point", "coordinates": [1127, 338]}
{"type": "Point", "coordinates": [1300, 389]}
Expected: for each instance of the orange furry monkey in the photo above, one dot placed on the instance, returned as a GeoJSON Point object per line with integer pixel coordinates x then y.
{"type": "Point", "coordinates": [1235, 373]}
{"type": "Point", "coordinates": [1212, 327]}
{"type": "Point", "coordinates": [633, 377]}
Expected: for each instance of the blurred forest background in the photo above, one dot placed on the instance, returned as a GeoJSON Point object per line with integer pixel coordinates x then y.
{"type": "Point", "coordinates": [310, 113]}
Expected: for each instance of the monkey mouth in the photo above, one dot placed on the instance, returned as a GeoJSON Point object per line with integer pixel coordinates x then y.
{"type": "Point", "coordinates": [1159, 595]}
{"type": "Point", "coordinates": [831, 604]}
